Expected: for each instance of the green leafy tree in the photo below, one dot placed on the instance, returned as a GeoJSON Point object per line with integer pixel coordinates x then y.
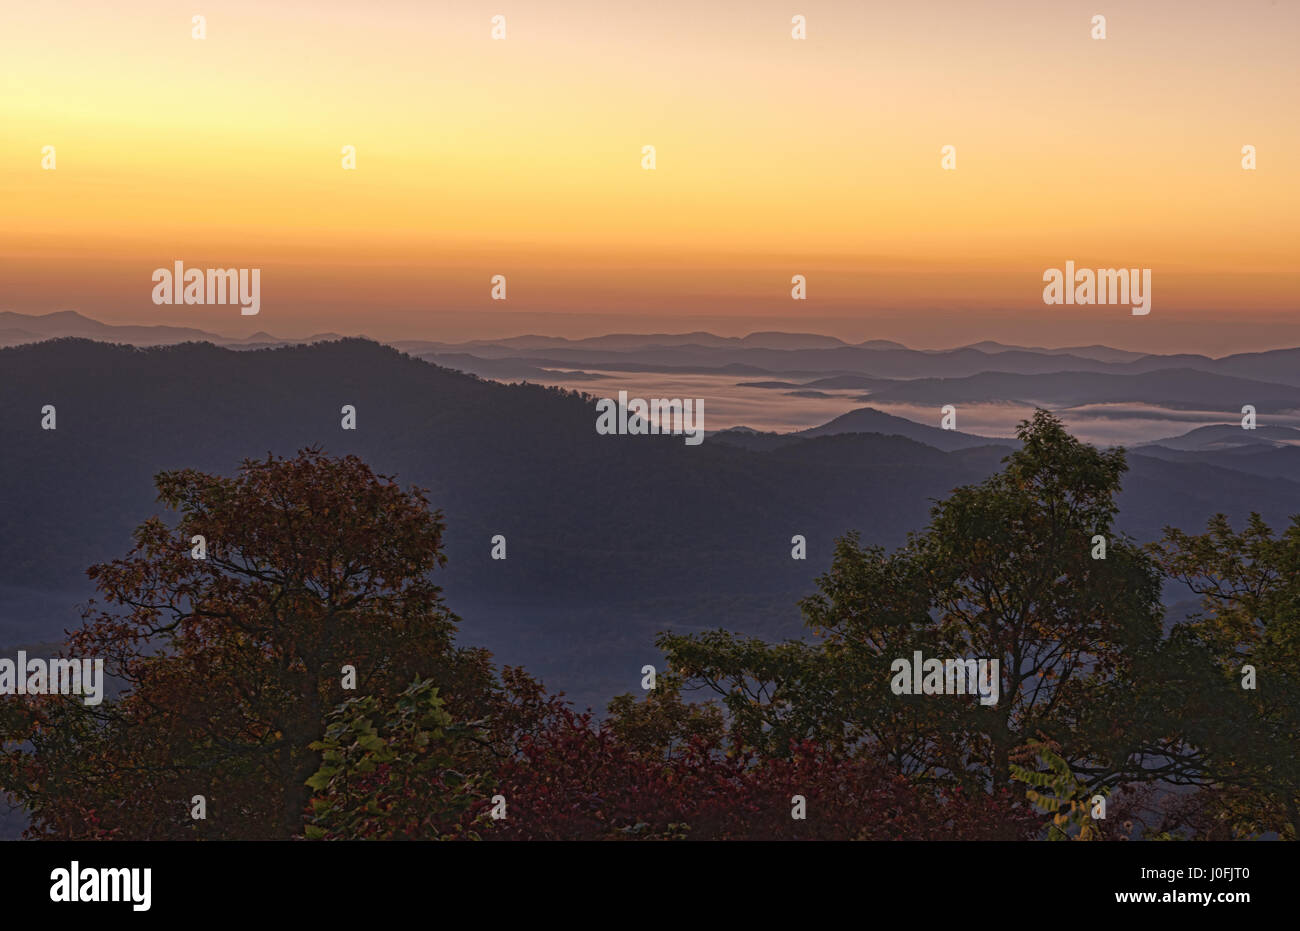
{"type": "Point", "coordinates": [1249, 585]}
{"type": "Point", "coordinates": [661, 723]}
{"type": "Point", "coordinates": [401, 771]}
{"type": "Point", "coordinates": [1005, 571]}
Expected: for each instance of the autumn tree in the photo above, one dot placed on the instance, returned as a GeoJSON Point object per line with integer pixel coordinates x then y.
{"type": "Point", "coordinates": [657, 768]}
{"type": "Point", "coordinates": [231, 652]}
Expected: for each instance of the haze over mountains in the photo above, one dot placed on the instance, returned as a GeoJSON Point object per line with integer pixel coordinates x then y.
{"type": "Point", "coordinates": [610, 538]}
{"type": "Point", "coordinates": [774, 352]}
{"type": "Point", "coordinates": [793, 381]}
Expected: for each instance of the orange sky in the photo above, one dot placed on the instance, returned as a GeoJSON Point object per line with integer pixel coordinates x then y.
{"type": "Point", "coordinates": [774, 157]}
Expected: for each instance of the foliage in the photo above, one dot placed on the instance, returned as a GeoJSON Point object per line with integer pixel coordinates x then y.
{"type": "Point", "coordinates": [1249, 585]}
{"type": "Point", "coordinates": [230, 664]}
{"type": "Point", "coordinates": [403, 779]}
{"type": "Point", "coordinates": [571, 778]}
{"type": "Point", "coordinates": [1003, 571]}
{"type": "Point", "coordinates": [1059, 792]}
{"type": "Point", "coordinates": [227, 672]}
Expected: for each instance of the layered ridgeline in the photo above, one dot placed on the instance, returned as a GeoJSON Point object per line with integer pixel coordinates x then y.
{"type": "Point", "coordinates": [609, 539]}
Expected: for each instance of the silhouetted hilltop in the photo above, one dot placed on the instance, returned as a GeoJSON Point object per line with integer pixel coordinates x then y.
{"type": "Point", "coordinates": [870, 420]}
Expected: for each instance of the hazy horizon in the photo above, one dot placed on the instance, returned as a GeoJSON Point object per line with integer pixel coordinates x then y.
{"type": "Point", "coordinates": [775, 157]}
{"type": "Point", "coordinates": [451, 327]}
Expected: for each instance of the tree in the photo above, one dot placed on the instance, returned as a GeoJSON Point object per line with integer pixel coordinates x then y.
{"type": "Point", "coordinates": [230, 664]}
{"type": "Point", "coordinates": [1249, 585]}
{"type": "Point", "coordinates": [655, 769]}
{"type": "Point", "coordinates": [1004, 571]}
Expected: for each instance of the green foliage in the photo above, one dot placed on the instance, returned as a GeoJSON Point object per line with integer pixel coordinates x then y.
{"type": "Point", "coordinates": [1003, 570]}
{"type": "Point", "coordinates": [661, 723]}
{"type": "Point", "coordinates": [1249, 584]}
{"type": "Point", "coordinates": [1059, 792]}
{"type": "Point", "coordinates": [403, 779]}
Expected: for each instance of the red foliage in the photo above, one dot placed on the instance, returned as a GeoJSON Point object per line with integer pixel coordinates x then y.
{"type": "Point", "coordinates": [576, 781]}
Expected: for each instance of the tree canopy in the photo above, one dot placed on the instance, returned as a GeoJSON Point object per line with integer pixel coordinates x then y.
{"type": "Point", "coordinates": [280, 650]}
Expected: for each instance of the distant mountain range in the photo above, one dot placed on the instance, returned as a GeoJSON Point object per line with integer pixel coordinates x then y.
{"type": "Point", "coordinates": [701, 351]}
{"type": "Point", "coordinates": [1092, 381]}
{"type": "Point", "coordinates": [803, 362]}
{"type": "Point", "coordinates": [17, 329]}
